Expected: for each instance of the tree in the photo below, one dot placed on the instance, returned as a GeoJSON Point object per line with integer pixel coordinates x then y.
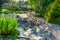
{"type": "Point", "coordinates": [39, 6]}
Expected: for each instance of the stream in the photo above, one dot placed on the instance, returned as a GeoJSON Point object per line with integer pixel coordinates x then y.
{"type": "Point", "coordinates": [54, 27]}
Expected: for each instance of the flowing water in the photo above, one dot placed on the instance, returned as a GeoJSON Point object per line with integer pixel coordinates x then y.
{"type": "Point", "coordinates": [20, 25]}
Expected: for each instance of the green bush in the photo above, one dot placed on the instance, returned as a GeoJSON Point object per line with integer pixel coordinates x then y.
{"type": "Point", "coordinates": [6, 11]}
{"type": "Point", "coordinates": [39, 15]}
{"type": "Point", "coordinates": [52, 14]}
{"type": "Point", "coordinates": [8, 25]}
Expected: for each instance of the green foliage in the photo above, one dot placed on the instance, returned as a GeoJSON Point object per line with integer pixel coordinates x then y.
{"type": "Point", "coordinates": [13, 35]}
{"type": "Point", "coordinates": [8, 25]}
{"type": "Point", "coordinates": [38, 15]}
{"type": "Point", "coordinates": [11, 5]}
{"type": "Point", "coordinates": [34, 4]}
{"type": "Point", "coordinates": [20, 12]}
{"type": "Point", "coordinates": [53, 12]}
{"type": "Point", "coordinates": [39, 5]}
{"type": "Point", "coordinates": [6, 11]}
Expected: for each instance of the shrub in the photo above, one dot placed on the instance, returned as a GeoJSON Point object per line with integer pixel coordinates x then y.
{"type": "Point", "coordinates": [8, 25]}
{"type": "Point", "coordinates": [6, 11]}
{"type": "Point", "coordinates": [53, 12]}
{"type": "Point", "coordinates": [39, 15]}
